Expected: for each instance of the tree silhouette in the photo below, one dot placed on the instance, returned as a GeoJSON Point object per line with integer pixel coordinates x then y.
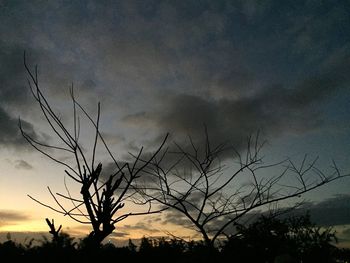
{"type": "Point", "coordinates": [100, 197]}
{"type": "Point", "coordinates": [211, 192]}
{"type": "Point", "coordinates": [270, 239]}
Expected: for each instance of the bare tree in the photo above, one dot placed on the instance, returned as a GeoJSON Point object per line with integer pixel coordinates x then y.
{"type": "Point", "coordinates": [212, 192]}
{"type": "Point", "coordinates": [101, 197]}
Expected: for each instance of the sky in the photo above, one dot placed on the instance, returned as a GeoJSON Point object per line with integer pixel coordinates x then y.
{"type": "Point", "coordinates": [280, 67]}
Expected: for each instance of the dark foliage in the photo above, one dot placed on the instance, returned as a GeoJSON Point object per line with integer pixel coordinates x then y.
{"type": "Point", "coordinates": [291, 240]}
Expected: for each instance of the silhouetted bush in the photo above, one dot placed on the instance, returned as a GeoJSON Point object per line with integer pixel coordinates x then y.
{"type": "Point", "coordinates": [12, 250]}
{"type": "Point", "coordinates": [270, 239]}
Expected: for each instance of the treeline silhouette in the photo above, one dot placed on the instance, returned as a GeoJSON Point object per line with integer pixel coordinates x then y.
{"type": "Point", "coordinates": [268, 239]}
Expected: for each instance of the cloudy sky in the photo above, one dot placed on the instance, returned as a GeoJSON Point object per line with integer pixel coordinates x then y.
{"type": "Point", "coordinates": [281, 67]}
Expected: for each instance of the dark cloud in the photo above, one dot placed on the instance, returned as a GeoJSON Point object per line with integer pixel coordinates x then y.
{"type": "Point", "coordinates": [12, 217]}
{"type": "Point", "coordinates": [21, 164]}
{"type": "Point", "coordinates": [330, 212]}
{"type": "Point", "coordinates": [275, 110]}
{"type": "Point", "coordinates": [174, 217]}
{"type": "Point", "coordinates": [10, 135]}
{"type": "Point", "coordinates": [12, 76]}
{"type": "Point", "coordinates": [14, 95]}
{"type": "Point", "coordinates": [216, 62]}
{"type": "Point", "coordinates": [109, 169]}
{"type": "Point", "coordinates": [138, 226]}
{"type": "Point", "coordinates": [333, 211]}
{"type": "Point", "coordinates": [177, 218]}
{"type": "Point", "coordinates": [233, 92]}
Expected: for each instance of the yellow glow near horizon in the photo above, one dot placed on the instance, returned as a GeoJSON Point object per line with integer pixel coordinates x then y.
{"type": "Point", "coordinates": [39, 226]}
{"type": "Point", "coordinates": [28, 226]}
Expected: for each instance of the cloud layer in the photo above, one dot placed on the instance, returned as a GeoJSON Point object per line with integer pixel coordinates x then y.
{"type": "Point", "coordinates": [237, 67]}
{"type": "Point", "coordinates": [11, 217]}
{"type": "Point", "coordinates": [330, 212]}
